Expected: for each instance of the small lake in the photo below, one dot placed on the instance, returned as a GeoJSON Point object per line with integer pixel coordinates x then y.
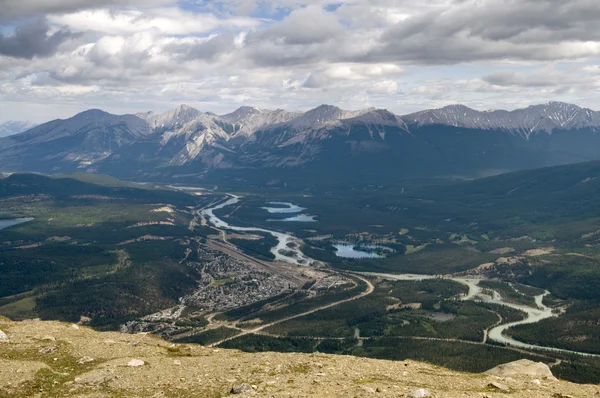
{"type": "Point", "coordinates": [299, 218]}
{"type": "Point", "coordinates": [283, 208]}
{"type": "Point", "coordinates": [11, 223]}
{"type": "Point", "coordinates": [345, 250]}
{"type": "Point", "coordinates": [348, 251]}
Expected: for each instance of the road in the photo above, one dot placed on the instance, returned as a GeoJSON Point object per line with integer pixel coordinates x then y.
{"type": "Point", "coordinates": [370, 289]}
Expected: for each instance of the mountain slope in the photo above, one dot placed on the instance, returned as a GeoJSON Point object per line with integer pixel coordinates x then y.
{"type": "Point", "coordinates": [174, 118]}
{"type": "Point", "coordinates": [69, 144]}
{"type": "Point", "coordinates": [326, 143]}
{"type": "Point", "coordinates": [50, 359]}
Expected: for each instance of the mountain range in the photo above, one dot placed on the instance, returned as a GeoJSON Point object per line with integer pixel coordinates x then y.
{"type": "Point", "coordinates": [323, 143]}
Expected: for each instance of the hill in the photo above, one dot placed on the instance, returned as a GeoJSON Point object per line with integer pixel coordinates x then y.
{"type": "Point", "coordinates": [50, 359]}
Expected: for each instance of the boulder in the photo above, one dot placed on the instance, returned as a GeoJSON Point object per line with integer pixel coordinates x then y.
{"type": "Point", "coordinates": [242, 388]}
{"type": "Point", "coordinates": [420, 393]}
{"type": "Point", "coordinates": [134, 363]}
{"type": "Point", "coordinates": [520, 368]}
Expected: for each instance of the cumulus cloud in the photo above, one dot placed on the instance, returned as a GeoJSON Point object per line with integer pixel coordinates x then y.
{"type": "Point", "coordinates": [33, 38]}
{"type": "Point", "coordinates": [400, 54]}
{"type": "Point", "coordinates": [479, 30]}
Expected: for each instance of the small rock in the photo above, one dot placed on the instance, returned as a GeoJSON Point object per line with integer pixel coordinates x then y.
{"type": "Point", "coordinates": [177, 362]}
{"type": "Point", "coordinates": [378, 389]}
{"type": "Point", "coordinates": [420, 393]}
{"type": "Point", "coordinates": [559, 395]}
{"type": "Point", "coordinates": [3, 337]}
{"type": "Point", "coordinates": [242, 388]}
{"type": "Point", "coordinates": [75, 326]}
{"type": "Point", "coordinates": [134, 363]}
{"type": "Point", "coordinates": [85, 360]}
{"type": "Point", "coordinates": [368, 389]}
{"type": "Point", "coordinates": [536, 381]}
{"type": "Point", "coordinates": [49, 349]}
{"type": "Point", "coordinates": [498, 387]}
{"type": "Point", "coordinates": [49, 338]}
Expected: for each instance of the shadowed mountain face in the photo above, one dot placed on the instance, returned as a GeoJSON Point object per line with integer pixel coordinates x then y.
{"type": "Point", "coordinates": [326, 143]}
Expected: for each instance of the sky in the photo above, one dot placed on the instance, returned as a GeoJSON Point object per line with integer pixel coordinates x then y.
{"type": "Point", "coordinates": [60, 57]}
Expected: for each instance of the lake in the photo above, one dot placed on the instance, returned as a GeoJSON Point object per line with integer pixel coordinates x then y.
{"type": "Point", "coordinates": [348, 251]}
{"type": "Point", "coordinates": [286, 207]}
{"type": "Point", "coordinates": [299, 218]}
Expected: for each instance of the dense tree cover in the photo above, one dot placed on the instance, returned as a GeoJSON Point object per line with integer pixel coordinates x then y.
{"type": "Point", "coordinates": [86, 252]}
{"type": "Point", "coordinates": [383, 314]}
{"type": "Point", "coordinates": [150, 284]}
{"type": "Point", "coordinates": [578, 329]}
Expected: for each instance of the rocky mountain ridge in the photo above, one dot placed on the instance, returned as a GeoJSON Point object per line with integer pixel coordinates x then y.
{"type": "Point", "coordinates": [186, 141]}
{"type": "Point", "coordinates": [52, 359]}
{"type": "Point", "coordinates": [533, 119]}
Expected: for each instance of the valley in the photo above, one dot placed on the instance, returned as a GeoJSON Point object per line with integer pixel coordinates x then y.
{"type": "Point", "coordinates": [196, 265]}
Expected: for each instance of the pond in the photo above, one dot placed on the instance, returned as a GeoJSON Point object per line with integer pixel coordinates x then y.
{"type": "Point", "coordinates": [349, 251]}
{"type": "Point", "coordinates": [283, 208]}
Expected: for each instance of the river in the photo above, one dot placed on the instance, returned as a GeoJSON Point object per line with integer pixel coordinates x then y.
{"type": "Point", "coordinates": [288, 250]}
{"type": "Point", "coordinates": [496, 334]}
{"type": "Point", "coordinates": [288, 247]}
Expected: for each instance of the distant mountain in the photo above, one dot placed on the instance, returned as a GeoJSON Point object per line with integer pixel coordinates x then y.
{"type": "Point", "coordinates": [323, 144]}
{"type": "Point", "coordinates": [78, 142]}
{"type": "Point", "coordinates": [534, 119]}
{"type": "Point", "coordinates": [14, 127]}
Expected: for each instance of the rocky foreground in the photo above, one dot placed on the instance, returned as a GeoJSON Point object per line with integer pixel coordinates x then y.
{"type": "Point", "coordinates": [51, 359]}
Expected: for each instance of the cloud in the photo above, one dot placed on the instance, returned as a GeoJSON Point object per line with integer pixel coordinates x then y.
{"type": "Point", "coordinates": [479, 30]}
{"type": "Point", "coordinates": [167, 20]}
{"type": "Point", "coordinates": [12, 9]}
{"type": "Point", "coordinates": [351, 73]}
{"type": "Point", "coordinates": [399, 54]}
{"type": "Point", "coordinates": [305, 26]}
{"type": "Point", "coordinates": [32, 39]}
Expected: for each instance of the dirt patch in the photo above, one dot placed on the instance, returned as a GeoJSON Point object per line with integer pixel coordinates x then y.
{"type": "Point", "coordinates": [539, 252]}
{"type": "Point", "coordinates": [503, 250]}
